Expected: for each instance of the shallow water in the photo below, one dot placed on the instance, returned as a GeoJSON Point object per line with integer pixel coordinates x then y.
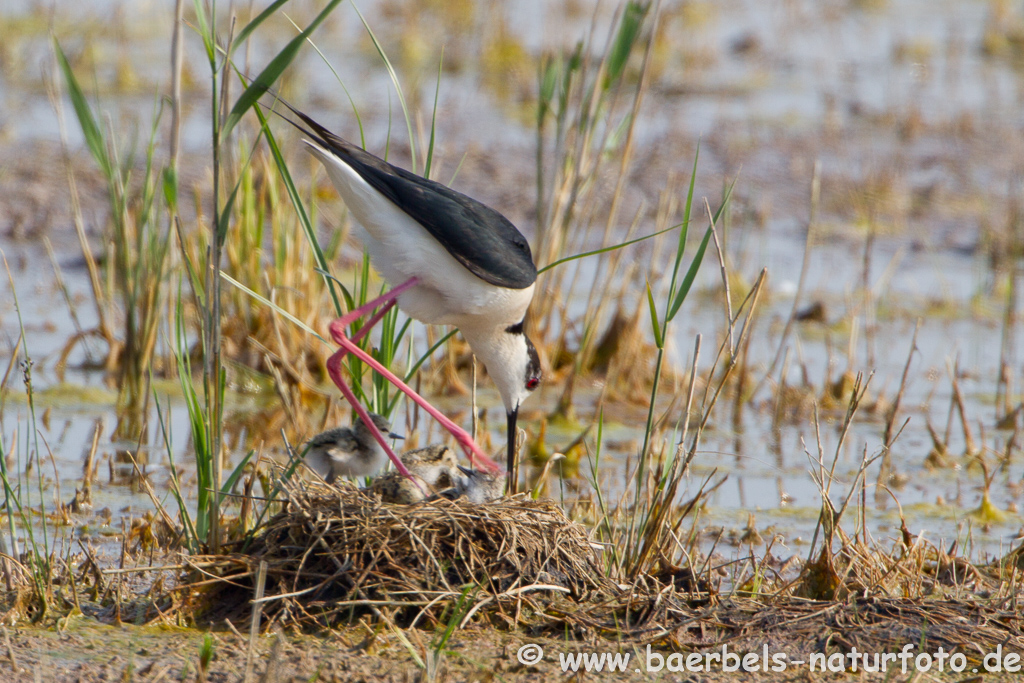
{"type": "Point", "coordinates": [770, 88]}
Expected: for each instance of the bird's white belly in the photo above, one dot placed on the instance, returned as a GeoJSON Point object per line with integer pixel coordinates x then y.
{"type": "Point", "coordinates": [400, 248]}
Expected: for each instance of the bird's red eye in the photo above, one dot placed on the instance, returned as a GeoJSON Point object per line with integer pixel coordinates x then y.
{"type": "Point", "coordinates": [532, 383]}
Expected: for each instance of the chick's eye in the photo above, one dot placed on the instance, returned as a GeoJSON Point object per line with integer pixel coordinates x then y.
{"type": "Point", "coordinates": [532, 383]}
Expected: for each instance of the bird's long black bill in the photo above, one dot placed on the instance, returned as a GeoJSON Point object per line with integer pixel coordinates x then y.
{"type": "Point", "coordinates": [513, 463]}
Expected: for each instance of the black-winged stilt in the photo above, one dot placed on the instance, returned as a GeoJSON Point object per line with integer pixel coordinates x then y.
{"type": "Point", "coordinates": [478, 486]}
{"type": "Point", "coordinates": [437, 464]}
{"type": "Point", "coordinates": [349, 451]}
{"type": "Point", "coordinates": [394, 487]}
{"type": "Point", "coordinates": [429, 468]}
{"type": "Point", "coordinates": [456, 261]}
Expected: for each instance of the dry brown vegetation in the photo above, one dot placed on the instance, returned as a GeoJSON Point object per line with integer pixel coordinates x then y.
{"type": "Point", "coordinates": [641, 568]}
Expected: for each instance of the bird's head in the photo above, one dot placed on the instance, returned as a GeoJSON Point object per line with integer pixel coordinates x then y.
{"type": "Point", "coordinates": [478, 486]}
{"type": "Point", "coordinates": [382, 424]}
{"type": "Point", "coordinates": [512, 362]}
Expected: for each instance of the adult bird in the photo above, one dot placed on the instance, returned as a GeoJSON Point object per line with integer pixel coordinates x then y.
{"type": "Point", "coordinates": [455, 262]}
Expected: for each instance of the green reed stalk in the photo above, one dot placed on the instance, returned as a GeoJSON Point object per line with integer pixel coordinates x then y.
{"type": "Point", "coordinates": [140, 247]}
{"type": "Point", "coordinates": [41, 567]}
{"type": "Point", "coordinates": [223, 121]}
{"type": "Point", "coordinates": [677, 293]}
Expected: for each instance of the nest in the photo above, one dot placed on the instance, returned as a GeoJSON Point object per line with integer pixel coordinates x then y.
{"type": "Point", "coordinates": [338, 552]}
{"type": "Point", "coordinates": [336, 555]}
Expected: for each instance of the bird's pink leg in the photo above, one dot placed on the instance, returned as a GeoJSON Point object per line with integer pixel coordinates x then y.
{"type": "Point", "coordinates": [334, 364]}
{"type": "Point", "coordinates": [334, 369]}
{"type": "Point", "coordinates": [473, 451]}
{"type": "Point", "coordinates": [388, 299]}
{"type": "Point", "coordinates": [348, 345]}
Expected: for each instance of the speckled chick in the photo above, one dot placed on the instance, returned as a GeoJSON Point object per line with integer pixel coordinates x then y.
{"type": "Point", "coordinates": [478, 486]}
{"type": "Point", "coordinates": [436, 464]}
{"type": "Point", "coordinates": [392, 487]}
{"type": "Point", "coordinates": [349, 451]}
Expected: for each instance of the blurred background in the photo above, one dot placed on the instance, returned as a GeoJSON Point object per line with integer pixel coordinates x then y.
{"type": "Point", "coordinates": [873, 148]}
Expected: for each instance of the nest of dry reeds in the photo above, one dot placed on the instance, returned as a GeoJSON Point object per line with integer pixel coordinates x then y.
{"type": "Point", "coordinates": [335, 553]}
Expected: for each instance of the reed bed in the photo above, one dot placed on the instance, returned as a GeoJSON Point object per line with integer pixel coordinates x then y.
{"type": "Point", "coordinates": [339, 556]}
{"type": "Point", "coordinates": [637, 569]}
{"type": "Point", "coordinates": [868, 623]}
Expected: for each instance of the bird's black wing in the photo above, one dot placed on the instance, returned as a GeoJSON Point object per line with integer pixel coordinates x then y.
{"type": "Point", "coordinates": [479, 237]}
